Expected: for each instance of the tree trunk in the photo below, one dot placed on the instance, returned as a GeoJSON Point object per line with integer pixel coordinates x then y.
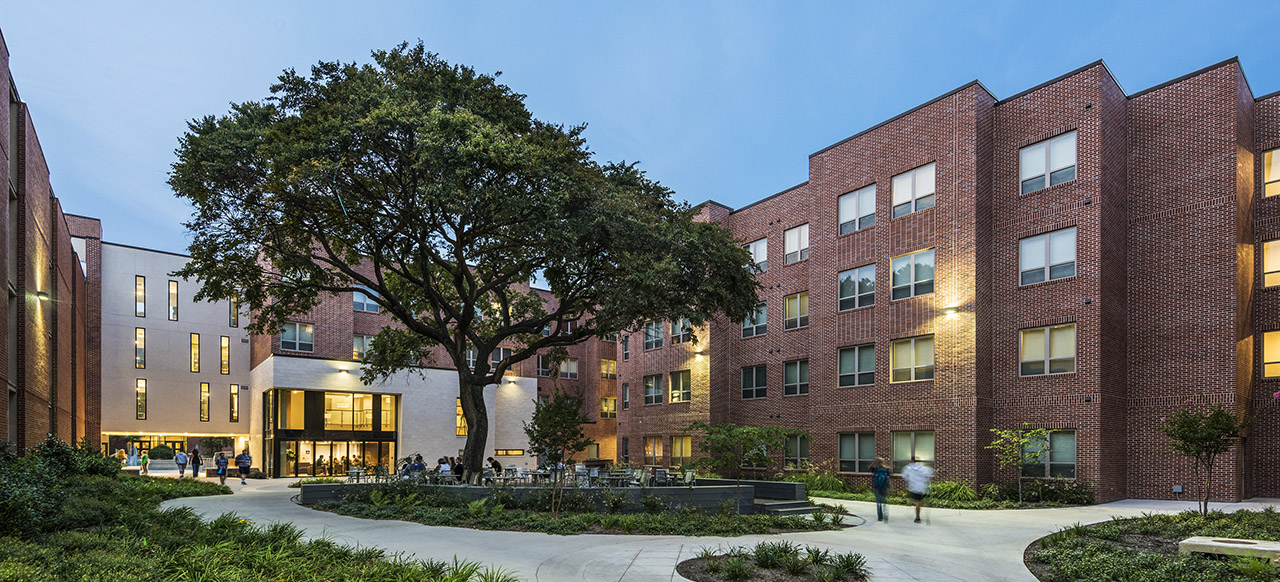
{"type": "Point", "coordinates": [473, 409]}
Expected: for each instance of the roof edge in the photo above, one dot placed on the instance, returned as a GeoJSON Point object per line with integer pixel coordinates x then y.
{"type": "Point", "coordinates": [1057, 79]}
{"type": "Point", "coordinates": [1197, 73]}
{"type": "Point", "coordinates": [137, 248]}
{"type": "Point", "coordinates": [904, 114]}
{"type": "Point", "coordinates": [770, 197]}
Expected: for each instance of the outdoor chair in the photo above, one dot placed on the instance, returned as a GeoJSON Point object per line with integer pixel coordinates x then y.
{"type": "Point", "coordinates": [639, 478]}
{"type": "Point", "coordinates": [593, 476]}
{"type": "Point", "coordinates": [661, 477]}
{"type": "Point", "coordinates": [686, 478]}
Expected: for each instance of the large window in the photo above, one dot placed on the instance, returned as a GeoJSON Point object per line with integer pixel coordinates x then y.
{"type": "Point", "coordinates": [140, 389]}
{"type": "Point", "coordinates": [139, 348]}
{"type": "Point", "coordinates": [857, 210]}
{"type": "Point", "coordinates": [680, 386]}
{"type": "Point", "coordinates": [140, 296]}
{"type": "Point", "coordinates": [544, 365]}
{"type": "Point", "coordinates": [195, 352]}
{"type": "Point", "coordinates": [857, 287]}
{"type": "Point", "coordinates": [1047, 350]}
{"type": "Point", "coordinates": [754, 382]}
{"type": "Point", "coordinates": [608, 407]}
{"type": "Point", "coordinates": [796, 244]}
{"type": "Point", "coordinates": [858, 366]}
{"type": "Point", "coordinates": [756, 323]}
{"type": "Point", "coordinates": [652, 450]}
{"type": "Point", "coordinates": [1271, 354]}
{"type": "Point", "coordinates": [909, 445]}
{"type": "Point", "coordinates": [1047, 256]}
{"type": "Point", "coordinates": [291, 415]}
{"type": "Point", "coordinates": [361, 346]}
{"type": "Point", "coordinates": [235, 403]}
{"type": "Point", "coordinates": [1057, 456]}
{"type": "Point", "coordinates": [224, 349]}
{"type": "Point", "coordinates": [857, 452]}
{"type": "Point", "coordinates": [759, 253]}
{"type": "Point", "coordinates": [569, 369]}
{"type": "Point", "coordinates": [912, 359]}
{"type": "Point", "coordinates": [796, 453]}
{"type": "Point", "coordinates": [1271, 263]}
{"type": "Point", "coordinates": [653, 389]}
{"type": "Point", "coordinates": [459, 420]}
{"type": "Point", "coordinates": [652, 335]}
{"type": "Point", "coordinates": [797, 311]}
{"type": "Point", "coordinates": [913, 190]}
{"type": "Point", "coordinates": [681, 450]}
{"type": "Point", "coordinates": [913, 274]}
{"type": "Point", "coordinates": [348, 411]}
{"type": "Point", "coordinates": [297, 337]}
{"type": "Point", "coordinates": [681, 330]}
{"type": "Point", "coordinates": [609, 369]}
{"type": "Point", "coordinates": [626, 396]}
{"type": "Point", "coordinates": [362, 299]}
{"type": "Point", "coordinates": [1053, 160]}
{"type": "Point", "coordinates": [388, 412]}
{"type": "Point", "coordinates": [173, 301]}
{"type": "Point", "coordinates": [795, 378]}
{"type": "Point", "coordinates": [1271, 173]}
{"type": "Point", "coordinates": [204, 402]}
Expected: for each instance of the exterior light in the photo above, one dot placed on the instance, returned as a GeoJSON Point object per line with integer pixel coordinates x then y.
{"type": "Point", "coordinates": [42, 295]}
{"type": "Point", "coordinates": [950, 311]}
{"type": "Point", "coordinates": [344, 371]}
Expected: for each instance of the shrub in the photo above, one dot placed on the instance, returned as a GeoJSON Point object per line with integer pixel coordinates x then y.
{"type": "Point", "coordinates": [795, 565]}
{"type": "Point", "coordinates": [952, 491]}
{"type": "Point", "coordinates": [737, 569]}
{"type": "Point", "coordinates": [850, 564]}
{"type": "Point", "coordinates": [162, 452]}
{"type": "Point", "coordinates": [315, 481]}
{"type": "Point", "coordinates": [651, 503]}
{"type": "Point", "coordinates": [816, 477]}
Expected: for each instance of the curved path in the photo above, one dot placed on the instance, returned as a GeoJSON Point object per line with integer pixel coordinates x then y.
{"type": "Point", "coordinates": [950, 545]}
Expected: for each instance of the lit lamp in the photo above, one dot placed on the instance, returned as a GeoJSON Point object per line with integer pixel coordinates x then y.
{"type": "Point", "coordinates": [951, 312]}
{"type": "Point", "coordinates": [42, 295]}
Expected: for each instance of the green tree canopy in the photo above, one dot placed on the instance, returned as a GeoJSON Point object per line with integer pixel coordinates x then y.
{"type": "Point", "coordinates": [432, 187]}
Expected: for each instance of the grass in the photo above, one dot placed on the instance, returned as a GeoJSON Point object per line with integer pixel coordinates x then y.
{"type": "Point", "coordinates": [1145, 548]}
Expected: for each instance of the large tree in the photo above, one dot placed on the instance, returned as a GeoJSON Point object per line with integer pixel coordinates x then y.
{"type": "Point", "coordinates": [434, 188]}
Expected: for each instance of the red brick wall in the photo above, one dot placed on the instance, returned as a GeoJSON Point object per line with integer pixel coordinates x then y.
{"type": "Point", "coordinates": [1262, 474]}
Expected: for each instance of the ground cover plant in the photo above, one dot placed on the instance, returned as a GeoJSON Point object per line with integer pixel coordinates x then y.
{"type": "Point", "coordinates": [957, 495]}
{"type": "Point", "coordinates": [316, 481]}
{"type": "Point", "coordinates": [1146, 549]}
{"type": "Point", "coordinates": [781, 561]}
{"type": "Point", "coordinates": [503, 511]}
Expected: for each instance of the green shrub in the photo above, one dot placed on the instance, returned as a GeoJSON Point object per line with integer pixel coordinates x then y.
{"type": "Point", "coordinates": [737, 569]}
{"type": "Point", "coordinates": [815, 477]}
{"type": "Point", "coordinates": [315, 481]}
{"type": "Point", "coordinates": [795, 565]}
{"type": "Point", "coordinates": [651, 503]}
{"type": "Point", "coordinates": [952, 491]}
{"type": "Point", "coordinates": [850, 564]}
{"type": "Point", "coordinates": [162, 452]}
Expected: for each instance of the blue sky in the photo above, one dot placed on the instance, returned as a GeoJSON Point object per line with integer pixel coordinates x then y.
{"type": "Point", "coordinates": [719, 100]}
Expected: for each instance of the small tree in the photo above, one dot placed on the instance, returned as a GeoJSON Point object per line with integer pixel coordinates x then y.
{"type": "Point", "coordinates": [1018, 447]}
{"type": "Point", "coordinates": [555, 434]}
{"type": "Point", "coordinates": [729, 447]}
{"type": "Point", "coordinates": [1202, 436]}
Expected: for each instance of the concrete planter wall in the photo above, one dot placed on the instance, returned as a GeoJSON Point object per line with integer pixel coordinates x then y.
{"type": "Point", "coordinates": [784, 490]}
{"type": "Point", "coordinates": [706, 499]}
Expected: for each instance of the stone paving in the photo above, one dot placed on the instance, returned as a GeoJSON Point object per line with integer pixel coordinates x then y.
{"type": "Point", "coordinates": [949, 545]}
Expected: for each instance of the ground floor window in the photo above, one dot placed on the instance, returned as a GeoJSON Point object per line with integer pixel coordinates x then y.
{"type": "Point", "coordinates": [625, 449]}
{"type": "Point", "coordinates": [908, 445]}
{"type": "Point", "coordinates": [681, 450]}
{"type": "Point", "coordinates": [857, 452]}
{"type": "Point", "coordinates": [593, 451]}
{"type": "Point", "coordinates": [1054, 458]}
{"type": "Point", "coordinates": [796, 455]}
{"type": "Point", "coordinates": [320, 458]}
{"type": "Point", "coordinates": [652, 450]}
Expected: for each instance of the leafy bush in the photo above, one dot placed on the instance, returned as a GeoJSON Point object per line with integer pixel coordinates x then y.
{"type": "Point", "coordinates": [162, 452]}
{"type": "Point", "coordinates": [737, 569]}
{"type": "Point", "coordinates": [315, 481]}
{"type": "Point", "coordinates": [850, 564]}
{"type": "Point", "coordinates": [953, 491]}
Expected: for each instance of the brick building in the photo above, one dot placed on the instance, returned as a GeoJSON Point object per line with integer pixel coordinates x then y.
{"type": "Point", "coordinates": [1072, 256]}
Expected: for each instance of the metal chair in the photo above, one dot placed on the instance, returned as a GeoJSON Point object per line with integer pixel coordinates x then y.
{"type": "Point", "coordinates": [661, 477]}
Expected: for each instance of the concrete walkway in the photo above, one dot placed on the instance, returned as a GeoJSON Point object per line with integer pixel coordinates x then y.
{"type": "Point", "coordinates": [949, 545]}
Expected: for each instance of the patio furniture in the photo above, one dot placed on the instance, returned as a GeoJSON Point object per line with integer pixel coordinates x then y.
{"type": "Point", "coordinates": [686, 478]}
{"type": "Point", "coordinates": [639, 478]}
{"type": "Point", "coordinates": [661, 477]}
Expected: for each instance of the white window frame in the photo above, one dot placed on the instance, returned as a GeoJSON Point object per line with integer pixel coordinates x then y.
{"type": "Point", "coordinates": [802, 311]}
{"type": "Point", "coordinates": [859, 463]}
{"type": "Point", "coordinates": [297, 343]}
{"type": "Point", "coordinates": [1032, 260]}
{"type": "Point", "coordinates": [759, 250]}
{"type": "Point", "coordinates": [544, 366]}
{"type": "Point", "coordinates": [626, 347]}
{"type": "Point", "coordinates": [608, 369]}
{"type": "Point", "coordinates": [653, 389]}
{"type": "Point", "coordinates": [1048, 174]}
{"type": "Point", "coordinates": [757, 323]}
{"type": "Point", "coordinates": [796, 244]}
{"type": "Point", "coordinates": [471, 355]}
{"type": "Point", "coordinates": [681, 330]}
{"type": "Point", "coordinates": [652, 335]}
{"type": "Point", "coordinates": [681, 386]}
{"type": "Point", "coordinates": [497, 355]}
{"type": "Point", "coordinates": [626, 396]}
{"type": "Point", "coordinates": [1045, 340]}
{"type": "Point", "coordinates": [915, 190]}
{"type": "Point", "coordinates": [360, 346]}
{"type": "Point", "coordinates": [917, 372]}
{"type": "Point", "coordinates": [857, 210]}
{"type": "Point", "coordinates": [362, 300]}
{"type": "Point", "coordinates": [858, 376]}
{"type": "Point", "coordinates": [756, 390]}
{"type": "Point", "coordinates": [800, 386]}
{"type": "Point", "coordinates": [915, 288]}
{"type": "Point", "coordinates": [856, 297]}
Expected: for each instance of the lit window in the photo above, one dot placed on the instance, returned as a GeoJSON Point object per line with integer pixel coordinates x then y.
{"type": "Point", "coordinates": [857, 210]}
{"type": "Point", "coordinates": [508, 452]}
{"type": "Point", "coordinates": [1271, 263]}
{"type": "Point", "coordinates": [297, 336]}
{"type": "Point", "coordinates": [681, 450]}
{"type": "Point", "coordinates": [544, 365]}
{"type": "Point", "coordinates": [652, 335]}
{"type": "Point", "coordinates": [608, 407]}
{"type": "Point", "coordinates": [460, 421]}
{"type": "Point", "coordinates": [140, 388]}
{"type": "Point", "coordinates": [909, 445]}
{"type": "Point", "coordinates": [913, 359]}
{"type": "Point", "coordinates": [1271, 173]}
{"type": "Point", "coordinates": [569, 369]}
{"type": "Point", "coordinates": [759, 253]}
{"type": "Point", "coordinates": [593, 451]}
{"type": "Point", "coordinates": [795, 378]}
{"type": "Point", "coordinates": [796, 244]}
{"type": "Point", "coordinates": [1271, 354]}
{"type": "Point", "coordinates": [857, 452]}
{"type": "Point", "coordinates": [1054, 158]}
{"type": "Point", "coordinates": [796, 453]}
{"type": "Point", "coordinates": [139, 348]}
{"type": "Point", "coordinates": [754, 380]}
{"type": "Point", "coordinates": [1054, 458]}
{"type": "Point", "coordinates": [680, 390]}
{"type": "Point", "coordinates": [756, 323]}
{"type": "Point", "coordinates": [857, 287]}
{"type": "Point", "coordinates": [140, 296]}
{"type": "Point", "coordinates": [195, 352]}
{"type": "Point", "coordinates": [233, 312]}
{"type": "Point", "coordinates": [626, 347]}
{"type": "Point", "coordinates": [681, 330]}
{"type": "Point", "coordinates": [913, 275]}
{"type": "Point", "coordinates": [913, 190]}
{"type": "Point", "coordinates": [235, 403]}
{"type": "Point", "coordinates": [388, 413]}
{"type": "Point", "coordinates": [652, 450]}
{"type": "Point", "coordinates": [362, 299]}
{"type": "Point", "coordinates": [225, 349]}
{"type": "Point", "coordinates": [173, 301]}
{"type": "Point", "coordinates": [361, 347]}
{"type": "Point", "coordinates": [858, 366]}
{"type": "Point", "coordinates": [1047, 256]}
{"type": "Point", "coordinates": [797, 311]}
{"type": "Point", "coordinates": [1047, 350]}
{"type": "Point", "coordinates": [204, 402]}
{"type": "Point", "coordinates": [626, 396]}
{"type": "Point", "coordinates": [609, 369]}
{"type": "Point", "coordinates": [653, 389]}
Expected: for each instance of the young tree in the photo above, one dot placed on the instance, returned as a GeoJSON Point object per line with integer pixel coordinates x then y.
{"type": "Point", "coordinates": [430, 188]}
{"type": "Point", "coordinates": [555, 434]}
{"type": "Point", "coordinates": [729, 447]}
{"type": "Point", "coordinates": [1202, 436]}
{"type": "Point", "coordinates": [1019, 447]}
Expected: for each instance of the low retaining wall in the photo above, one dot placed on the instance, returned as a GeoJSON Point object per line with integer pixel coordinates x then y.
{"type": "Point", "coordinates": [705, 498]}
{"type": "Point", "coordinates": [784, 490]}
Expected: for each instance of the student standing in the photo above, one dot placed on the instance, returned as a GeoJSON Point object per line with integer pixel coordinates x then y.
{"type": "Point", "coordinates": [880, 487]}
{"type": "Point", "coordinates": [917, 476]}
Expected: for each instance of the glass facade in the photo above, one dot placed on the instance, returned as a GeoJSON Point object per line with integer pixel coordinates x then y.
{"type": "Point", "coordinates": [316, 433]}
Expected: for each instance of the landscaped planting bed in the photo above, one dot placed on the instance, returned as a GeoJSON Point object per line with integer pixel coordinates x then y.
{"type": "Point", "coordinates": [1145, 549]}
{"type": "Point", "coordinates": [956, 495]}
{"type": "Point", "coordinates": [774, 562]}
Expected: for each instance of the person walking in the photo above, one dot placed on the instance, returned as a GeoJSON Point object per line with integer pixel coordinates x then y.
{"type": "Point", "coordinates": [917, 476]}
{"type": "Point", "coordinates": [221, 463]}
{"type": "Point", "coordinates": [181, 460]}
{"type": "Point", "coordinates": [880, 487]}
{"type": "Point", "coordinates": [244, 462]}
{"type": "Point", "coordinates": [196, 462]}
{"type": "Point", "coordinates": [144, 463]}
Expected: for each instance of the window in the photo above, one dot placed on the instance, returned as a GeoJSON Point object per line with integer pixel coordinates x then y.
{"type": "Point", "coordinates": [362, 299]}
{"type": "Point", "coordinates": [858, 366]}
{"type": "Point", "coordinates": [570, 326]}
{"type": "Point", "coordinates": [796, 244]}
{"type": "Point", "coordinates": [544, 365]}
{"type": "Point", "coordinates": [857, 210]}
{"type": "Point", "coordinates": [609, 369]}
{"type": "Point", "coordinates": [140, 387]}
{"type": "Point", "coordinates": [235, 403]}
{"type": "Point", "coordinates": [797, 311]}
{"type": "Point", "coordinates": [470, 355]}
{"type": "Point", "coordinates": [225, 349]}
{"type": "Point", "coordinates": [1270, 173]}
{"type": "Point", "coordinates": [681, 450]}
{"type": "Point", "coordinates": [857, 452]}
{"type": "Point", "coordinates": [499, 354]}
{"type": "Point", "coordinates": [388, 412]}
{"type": "Point", "coordinates": [508, 452]}
{"type": "Point", "coordinates": [653, 389]}
{"type": "Point", "coordinates": [544, 400]}
{"type": "Point", "coordinates": [913, 359]}
{"type": "Point", "coordinates": [913, 190]}
{"type": "Point", "coordinates": [912, 275]}
{"type": "Point", "coordinates": [195, 352]}
{"type": "Point", "coordinates": [652, 450]}
{"type": "Point", "coordinates": [1047, 350]}
{"type": "Point", "coordinates": [460, 421]}
{"type": "Point", "coordinates": [910, 445]}
{"type": "Point", "coordinates": [204, 402]}
{"type": "Point", "coordinates": [139, 348]}
{"type": "Point", "coordinates": [857, 287]}
{"type": "Point", "coordinates": [593, 451]}
{"type": "Point", "coordinates": [626, 396]}
{"type": "Point", "coordinates": [173, 301]}
{"type": "Point", "coordinates": [796, 453]}
{"type": "Point", "coordinates": [140, 296]}
{"type": "Point", "coordinates": [753, 382]}
{"type": "Point", "coordinates": [1271, 354]}
{"type": "Point", "coordinates": [1047, 256]}
{"type": "Point", "coordinates": [625, 449]}
{"type": "Point", "coordinates": [680, 389]}
{"type": "Point", "coordinates": [1271, 263]}
{"type": "Point", "coordinates": [756, 323]}
{"type": "Point", "coordinates": [1055, 158]}
{"type": "Point", "coordinates": [608, 407]}
{"type": "Point", "coordinates": [759, 253]}
{"type": "Point", "coordinates": [626, 347]}
{"type": "Point", "coordinates": [1057, 457]}
{"type": "Point", "coordinates": [297, 336]}
{"type": "Point", "coordinates": [569, 369]}
{"type": "Point", "coordinates": [361, 347]}
{"type": "Point", "coordinates": [233, 312]}
{"type": "Point", "coordinates": [291, 415]}
{"type": "Point", "coordinates": [348, 411]}
{"type": "Point", "coordinates": [795, 378]}
{"type": "Point", "coordinates": [681, 330]}
{"type": "Point", "coordinates": [652, 335]}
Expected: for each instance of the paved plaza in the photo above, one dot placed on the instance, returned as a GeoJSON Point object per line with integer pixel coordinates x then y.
{"type": "Point", "coordinates": [950, 545]}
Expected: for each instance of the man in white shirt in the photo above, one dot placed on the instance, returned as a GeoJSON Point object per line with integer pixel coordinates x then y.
{"type": "Point", "coordinates": [917, 476]}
